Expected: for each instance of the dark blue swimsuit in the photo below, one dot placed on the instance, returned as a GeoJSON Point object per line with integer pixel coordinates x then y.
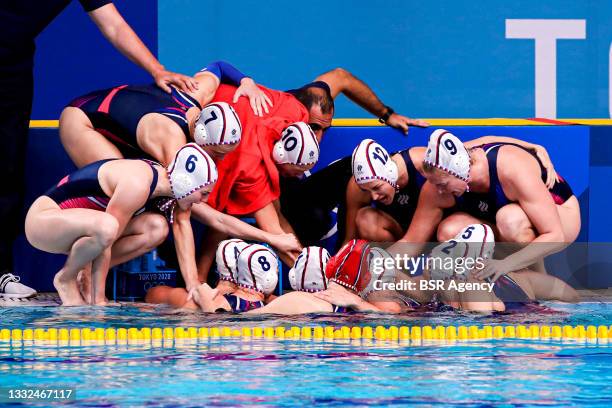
{"type": "Point", "coordinates": [82, 189]}
{"type": "Point", "coordinates": [116, 112]}
{"type": "Point", "coordinates": [405, 200]}
{"type": "Point", "coordinates": [240, 305]}
{"type": "Point", "coordinates": [485, 205]}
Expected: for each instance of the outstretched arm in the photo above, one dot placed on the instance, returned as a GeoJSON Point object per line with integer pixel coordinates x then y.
{"type": "Point", "coordinates": [229, 74]}
{"type": "Point", "coordinates": [234, 227]}
{"type": "Point", "coordinates": [341, 80]}
{"type": "Point", "coordinates": [117, 31]}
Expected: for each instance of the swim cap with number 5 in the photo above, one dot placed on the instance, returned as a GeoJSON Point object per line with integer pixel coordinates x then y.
{"type": "Point", "coordinates": [258, 268]}
{"type": "Point", "coordinates": [446, 152]}
{"type": "Point", "coordinates": [218, 124]}
{"type": "Point", "coordinates": [372, 162]}
{"type": "Point", "coordinates": [191, 170]}
{"type": "Point", "coordinates": [297, 145]}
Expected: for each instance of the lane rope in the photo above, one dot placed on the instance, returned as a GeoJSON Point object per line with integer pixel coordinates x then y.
{"type": "Point", "coordinates": [414, 334]}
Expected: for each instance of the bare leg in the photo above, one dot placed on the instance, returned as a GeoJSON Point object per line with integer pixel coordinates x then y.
{"type": "Point", "coordinates": [142, 234]}
{"type": "Point", "coordinates": [375, 225]}
{"type": "Point", "coordinates": [81, 141]}
{"type": "Point", "coordinates": [81, 233]}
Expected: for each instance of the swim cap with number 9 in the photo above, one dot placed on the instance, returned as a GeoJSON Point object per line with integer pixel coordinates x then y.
{"type": "Point", "coordinates": [447, 153]}
{"type": "Point", "coordinates": [191, 170]}
{"type": "Point", "coordinates": [298, 145]}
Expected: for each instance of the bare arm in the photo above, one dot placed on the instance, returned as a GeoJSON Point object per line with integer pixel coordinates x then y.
{"type": "Point", "coordinates": [341, 80]}
{"type": "Point", "coordinates": [356, 199]}
{"type": "Point", "coordinates": [185, 247]}
{"type": "Point", "coordinates": [267, 219]}
{"type": "Point", "coordinates": [540, 152]}
{"type": "Point", "coordinates": [120, 34]}
{"type": "Point", "coordinates": [234, 227]}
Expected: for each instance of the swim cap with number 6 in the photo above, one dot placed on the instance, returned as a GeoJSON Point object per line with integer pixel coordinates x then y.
{"type": "Point", "coordinates": [191, 170]}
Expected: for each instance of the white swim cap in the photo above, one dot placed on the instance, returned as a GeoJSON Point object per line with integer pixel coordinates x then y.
{"type": "Point", "coordinates": [479, 240]}
{"type": "Point", "coordinates": [258, 268]}
{"type": "Point", "coordinates": [475, 242]}
{"type": "Point", "coordinates": [297, 145]}
{"type": "Point", "coordinates": [227, 258]}
{"type": "Point", "coordinates": [372, 162]}
{"type": "Point", "coordinates": [218, 124]}
{"type": "Point", "coordinates": [448, 153]}
{"type": "Point", "coordinates": [308, 272]}
{"type": "Point", "coordinates": [191, 170]}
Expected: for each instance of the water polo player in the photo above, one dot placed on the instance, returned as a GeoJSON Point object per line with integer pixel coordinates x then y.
{"type": "Point", "coordinates": [94, 215]}
{"type": "Point", "coordinates": [502, 184]}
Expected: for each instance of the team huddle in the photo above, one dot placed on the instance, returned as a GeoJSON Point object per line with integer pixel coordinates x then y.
{"type": "Point", "coordinates": [149, 162]}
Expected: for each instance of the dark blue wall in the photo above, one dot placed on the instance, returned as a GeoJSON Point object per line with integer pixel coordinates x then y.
{"type": "Point", "coordinates": [73, 58]}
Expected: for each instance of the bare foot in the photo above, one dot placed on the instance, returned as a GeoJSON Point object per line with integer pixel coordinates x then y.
{"type": "Point", "coordinates": [68, 290]}
{"type": "Point", "coordinates": [84, 281]}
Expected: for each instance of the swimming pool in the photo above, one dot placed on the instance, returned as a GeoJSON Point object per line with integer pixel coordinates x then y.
{"type": "Point", "coordinates": [268, 372]}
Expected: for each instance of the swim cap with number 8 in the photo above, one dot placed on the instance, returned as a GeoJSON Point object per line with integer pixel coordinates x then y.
{"type": "Point", "coordinates": [191, 170]}
{"type": "Point", "coordinates": [258, 268]}
{"type": "Point", "coordinates": [298, 145]}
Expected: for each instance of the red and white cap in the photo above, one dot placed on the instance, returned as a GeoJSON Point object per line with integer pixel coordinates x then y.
{"type": "Point", "coordinates": [227, 258]}
{"type": "Point", "coordinates": [191, 170]}
{"type": "Point", "coordinates": [371, 161]}
{"type": "Point", "coordinates": [297, 145]}
{"type": "Point", "coordinates": [218, 124]}
{"type": "Point", "coordinates": [447, 153]}
{"type": "Point", "coordinates": [308, 272]}
{"type": "Point", "coordinates": [347, 268]}
{"type": "Point", "coordinates": [258, 268]}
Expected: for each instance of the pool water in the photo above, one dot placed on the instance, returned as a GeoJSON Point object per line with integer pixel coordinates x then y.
{"type": "Point", "coordinates": [234, 372]}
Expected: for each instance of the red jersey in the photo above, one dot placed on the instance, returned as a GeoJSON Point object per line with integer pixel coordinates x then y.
{"type": "Point", "coordinates": [248, 177]}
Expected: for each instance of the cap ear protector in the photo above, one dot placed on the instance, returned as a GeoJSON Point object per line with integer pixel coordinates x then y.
{"type": "Point", "coordinates": [258, 269]}
{"type": "Point", "coordinates": [298, 145]}
{"type": "Point", "coordinates": [308, 272]}
{"type": "Point", "coordinates": [218, 124]}
{"type": "Point", "coordinates": [371, 161]}
{"type": "Point", "coordinates": [227, 259]}
{"type": "Point", "coordinates": [191, 170]}
{"type": "Point", "coordinates": [447, 153]}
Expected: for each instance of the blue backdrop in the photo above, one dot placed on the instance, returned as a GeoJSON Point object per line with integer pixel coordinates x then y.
{"type": "Point", "coordinates": [427, 59]}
